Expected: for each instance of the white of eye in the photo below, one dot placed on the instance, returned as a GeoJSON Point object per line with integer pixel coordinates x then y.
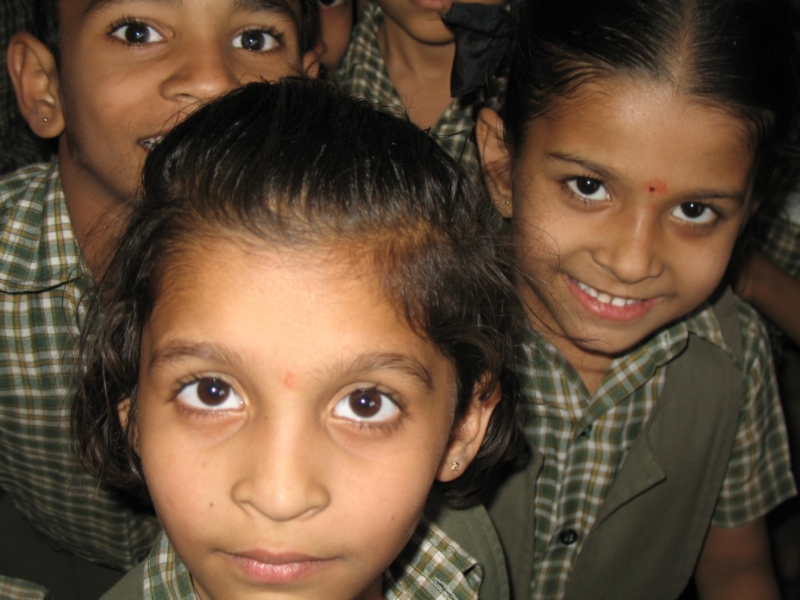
{"type": "Point", "coordinates": [694, 212]}
{"type": "Point", "coordinates": [330, 3]}
{"type": "Point", "coordinates": [588, 188]}
{"type": "Point", "coordinates": [137, 33]}
{"type": "Point", "coordinates": [366, 405]}
{"type": "Point", "coordinates": [255, 40]}
{"type": "Point", "coordinates": [211, 394]}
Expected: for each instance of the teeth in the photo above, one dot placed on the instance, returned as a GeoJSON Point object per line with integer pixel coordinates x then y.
{"type": "Point", "coordinates": [606, 298]}
{"type": "Point", "coordinates": [150, 142]}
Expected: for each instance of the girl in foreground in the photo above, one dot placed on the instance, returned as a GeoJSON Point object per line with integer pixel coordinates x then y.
{"type": "Point", "coordinates": [638, 141]}
{"type": "Point", "coordinates": [301, 331]}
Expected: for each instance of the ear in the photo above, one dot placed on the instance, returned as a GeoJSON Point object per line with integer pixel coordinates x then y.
{"type": "Point", "coordinates": [467, 436]}
{"type": "Point", "coordinates": [32, 68]}
{"type": "Point", "coordinates": [311, 62]}
{"type": "Point", "coordinates": [495, 159]}
{"type": "Point", "coordinates": [123, 411]}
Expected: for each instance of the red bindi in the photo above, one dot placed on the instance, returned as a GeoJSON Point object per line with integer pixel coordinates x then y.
{"type": "Point", "coordinates": [655, 185]}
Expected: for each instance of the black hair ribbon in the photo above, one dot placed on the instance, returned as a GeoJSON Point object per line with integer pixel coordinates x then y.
{"type": "Point", "coordinates": [483, 35]}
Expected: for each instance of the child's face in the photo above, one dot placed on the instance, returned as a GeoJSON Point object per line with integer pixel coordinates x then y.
{"type": "Point", "coordinates": [422, 19]}
{"type": "Point", "coordinates": [290, 424]}
{"type": "Point", "coordinates": [131, 70]}
{"type": "Point", "coordinates": [626, 205]}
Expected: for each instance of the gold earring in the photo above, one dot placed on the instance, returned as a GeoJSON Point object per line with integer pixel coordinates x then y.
{"type": "Point", "coordinates": [455, 466]}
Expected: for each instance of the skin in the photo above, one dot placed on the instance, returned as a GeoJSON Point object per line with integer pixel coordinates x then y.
{"type": "Point", "coordinates": [772, 291]}
{"type": "Point", "coordinates": [111, 94]}
{"type": "Point", "coordinates": [284, 469]}
{"type": "Point", "coordinates": [335, 25]}
{"type": "Point", "coordinates": [638, 192]}
{"type": "Point", "coordinates": [418, 50]}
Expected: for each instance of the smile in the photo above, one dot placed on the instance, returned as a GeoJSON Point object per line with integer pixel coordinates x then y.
{"type": "Point", "coordinates": [605, 298]}
{"type": "Point", "coordinates": [603, 305]}
{"type": "Point", "coordinates": [148, 143]}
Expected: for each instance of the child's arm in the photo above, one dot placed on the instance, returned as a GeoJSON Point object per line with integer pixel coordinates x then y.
{"type": "Point", "coordinates": [774, 292]}
{"type": "Point", "coordinates": [735, 564]}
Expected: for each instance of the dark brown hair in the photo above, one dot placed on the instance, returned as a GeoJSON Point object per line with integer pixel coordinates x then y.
{"type": "Point", "coordinates": [302, 163]}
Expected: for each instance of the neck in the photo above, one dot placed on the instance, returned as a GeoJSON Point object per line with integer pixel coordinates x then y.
{"type": "Point", "coordinates": [402, 51]}
{"type": "Point", "coordinates": [97, 217]}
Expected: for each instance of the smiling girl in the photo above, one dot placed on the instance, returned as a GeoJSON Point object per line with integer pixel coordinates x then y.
{"type": "Point", "coordinates": [638, 140]}
{"type": "Point", "coordinates": [301, 331]}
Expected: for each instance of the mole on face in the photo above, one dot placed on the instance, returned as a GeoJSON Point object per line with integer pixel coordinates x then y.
{"type": "Point", "coordinates": [658, 186]}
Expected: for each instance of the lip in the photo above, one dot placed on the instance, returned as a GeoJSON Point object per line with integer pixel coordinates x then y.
{"type": "Point", "coordinates": [439, 6]}
{"type": "Point", "coordinates": [277, 569]}
{"type": "Point", "coordinates": [628, 312]}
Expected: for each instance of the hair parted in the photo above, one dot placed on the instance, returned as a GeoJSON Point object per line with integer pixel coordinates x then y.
{"type": "Point", "coordinates": [300, 163]}
{"type": "Point", "coordinates": [47, 26]}
{"type": "Point", "coordinates": [740, 55]}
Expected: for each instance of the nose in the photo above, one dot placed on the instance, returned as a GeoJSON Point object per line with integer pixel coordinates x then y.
{"type": "Point", "coordinates": [201, 70]}
{"type": "Point", "coordinates": [282, 474]}
{"type": "Point", "coordinates": [630, 248]}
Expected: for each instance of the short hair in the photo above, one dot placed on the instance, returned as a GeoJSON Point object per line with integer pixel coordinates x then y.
{"type": "Point", "coordinates": [300, 163]}
{"type": "Point", "coordinates": [740, 55]}
{"type": "Point", "coordinates": [48, 30]}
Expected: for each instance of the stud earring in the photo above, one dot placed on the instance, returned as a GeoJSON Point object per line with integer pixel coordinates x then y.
{"type": "Point", "coordinates": [455, 465]}
{"type": "Point", "coordinates": [45, 119]}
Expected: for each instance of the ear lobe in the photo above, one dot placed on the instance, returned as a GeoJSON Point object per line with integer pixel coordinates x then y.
{"type": "Point", "coordinates": [123, 412]}
{"type": "Point", "coordinates": [495, 159]}
{"type": "Point", "coordinates": [33, 71]}
{"type": "Point", "coordinates": [467, 436]}
{"type": "Point", "coordinates": [311, 62]}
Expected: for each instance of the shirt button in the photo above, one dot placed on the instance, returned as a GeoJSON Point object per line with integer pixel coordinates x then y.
{"type": "Point", "coordinates": [568, 537]}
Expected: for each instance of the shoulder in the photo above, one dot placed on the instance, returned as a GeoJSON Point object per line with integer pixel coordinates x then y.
{"type": "Point", "coordinates": [129, 587]}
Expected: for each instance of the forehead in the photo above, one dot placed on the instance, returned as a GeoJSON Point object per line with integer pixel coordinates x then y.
{"type": "Point", "coordinates": [642, 128]}
{"type": "Point", "coordinates": [304, 308]}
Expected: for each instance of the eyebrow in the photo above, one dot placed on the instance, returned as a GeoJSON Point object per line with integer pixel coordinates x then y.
{"type": "Point", "coordinates": [604, 172]}
{"type": "Point", "coordinates": [247, 5]}
{"type": "Point", "coordinates": [176, 352]}
{"type": "Point", "coordinates": [607, 174]}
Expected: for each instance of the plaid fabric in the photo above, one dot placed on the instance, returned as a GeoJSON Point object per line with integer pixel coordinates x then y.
{"type": "Point", "coordinates": [43, 278]}
{"type": "Point", "coordinates": [363, 73]}
{"type": "Point", "coordinates": [17, 146]}
{"type": "Point", "coordinates": [585, 439]}
{"type": "Point", "coordinates": [431, 567]}
{"type": "Point", "coordinates": [19, 589]}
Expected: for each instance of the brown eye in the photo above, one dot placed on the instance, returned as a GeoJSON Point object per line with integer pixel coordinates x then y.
{"type": "Point", "coordinates": [366, 405]}
{"type": "Point", "coordinates": [210, 393]}
{"type": "Point", "coordinates": [588, 188]}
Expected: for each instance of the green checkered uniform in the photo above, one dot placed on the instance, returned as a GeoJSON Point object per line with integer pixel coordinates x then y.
{"type": "Point", "coordinates": [430, 567]}
{"type": "Point", "coordinates": [585, 439]}
{"type": "Point", "coordinates": [363, 73]}
{"type": "Point", "coordinates": [43, 280]}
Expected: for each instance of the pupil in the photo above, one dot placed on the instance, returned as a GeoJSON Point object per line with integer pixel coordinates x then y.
{"type": "Point", "coordinates": [137, 34]}
{"type": "Point", "coordinates": [365, 403]}
{"type": "Point", "coordinates": [213, 392]}
{"type": "Point", "coordinates": [252, 40]}
{"type": "Point", "coordinates": [326, 2]}
{"type": "Point", "coordinates": [692, 209]}
{"type": "Point", "coordinates": [587, 186]}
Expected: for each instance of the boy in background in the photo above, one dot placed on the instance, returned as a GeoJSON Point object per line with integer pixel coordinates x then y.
{"type": "Point", "coordinates": [108, 79]}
